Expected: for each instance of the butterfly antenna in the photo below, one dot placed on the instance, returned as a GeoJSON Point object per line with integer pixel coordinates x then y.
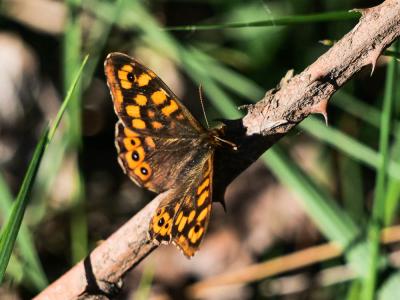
{"type": "Point", "coordinates": [233, 145]}
{"type": "Point", "coordinates": [202, 105]}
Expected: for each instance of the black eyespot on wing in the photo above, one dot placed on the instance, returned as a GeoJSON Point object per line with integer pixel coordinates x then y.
{"type": "Point", "coordinates": [135, 156]}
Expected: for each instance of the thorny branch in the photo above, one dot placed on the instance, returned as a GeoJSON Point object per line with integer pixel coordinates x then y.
{"type": "Point", "coordinates": [100, 274]}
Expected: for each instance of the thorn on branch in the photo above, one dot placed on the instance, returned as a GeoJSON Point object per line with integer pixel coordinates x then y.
{"type": "Point", "coordinates": [321, 108]}
{"type": "Point", "coordinates": [373, 59]}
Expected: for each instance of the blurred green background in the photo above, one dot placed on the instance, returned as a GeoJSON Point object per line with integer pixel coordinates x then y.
{"type": "Point", "coordinates": [319, 184]}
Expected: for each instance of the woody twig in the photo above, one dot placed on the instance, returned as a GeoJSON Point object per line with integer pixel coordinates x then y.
{"type": "Point", "coordinates": [272, 117]}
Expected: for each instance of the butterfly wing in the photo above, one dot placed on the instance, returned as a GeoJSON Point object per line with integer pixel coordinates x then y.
{"type": "Point", "coordinates": [156, 137]}
{"type": "Point", "coordinates": [155, 163]}
{"type": "Point", "coordinates": [144, 103]}
{"type": "Point", "coordinates": [184, 215]}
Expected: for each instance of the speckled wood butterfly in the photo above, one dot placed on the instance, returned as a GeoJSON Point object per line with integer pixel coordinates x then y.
{"type": "Point", "coordinates": [161, 146]}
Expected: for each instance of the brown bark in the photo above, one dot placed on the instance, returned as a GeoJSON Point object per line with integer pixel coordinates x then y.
{"type": "Point", "coordinates": [273, 116]}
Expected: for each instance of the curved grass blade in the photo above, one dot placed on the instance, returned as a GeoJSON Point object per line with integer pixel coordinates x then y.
{"type": "Point", "coordinates": [11, 228]}
{"type": "Point", "coordinates": [65, 103]}
{"type": "Point", "coordinates": [378, 210]}
{"type": "Point", "coordinates": [35, 276]}
{"type": "Point", "coordinates": [144, 288]}
{"type": "Point", "coordinates": [279, 21]}
{"type": "Point", "coordinates": [348, 145]}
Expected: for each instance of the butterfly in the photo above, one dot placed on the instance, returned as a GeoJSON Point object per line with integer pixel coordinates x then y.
{"type": "Point", "coordinates": [161, 146]}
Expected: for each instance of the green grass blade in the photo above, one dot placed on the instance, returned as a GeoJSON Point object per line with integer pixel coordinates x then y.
{"type": "Point", "coordinates": [393, 187]}
{"type": "Point", "coordinates": [352, 188]}
{"type": "Point", "coordinates": [144, 288]}
{"type": "Point", "coordinates": [377, 219]}
{"type": "Point", "coordinates": [348, 145]}
{"type": "Point", "coordinates": [228, 78]}
{"type": "Point", "coordinates": [10, 230]}
{"type": "Point", "coordinates": [72, 45]}
{"type": "Point", "coordinates": [33, 270]}
{"type": "Point", "coordinates": [199, 74]}
{"type": "Point", "coordinates": [54, 154]}
{"type": "Point", "coordinates": [67, 99]}
{"type": "Point", "coordinates": [395, 54]}
{"type": "Point", "coordinates": [365, 112]}
{"type": "Point", "coordinates": [357, 108]}
{"type": "Point", "coordinates": [278, 21]}
{"type": "Point", "coordinates": [353, 292]}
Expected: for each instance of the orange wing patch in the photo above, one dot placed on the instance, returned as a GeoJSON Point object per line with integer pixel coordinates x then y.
{"type": "Point", "coordinates": [131, 143]}
{"type": "Point", "coordinates": [159, 97]}
{"type": "Point", "coordinates": [129, 133]}
{"type": "Point", "coordinates": [149, 142]}
{"type": "Point", "coordinates": [205, 184]}
{"type": "Point", "coordinates": [162, 223]}
{"type": "Point", "coordinates": [132, 159]}
{"type": "Point", "coordinates": [138, 124]}
{"type": "Point", "coordinates": [112, 83]}
{"type": "Point", "coordinates": [133, 111]}
{"type": "Point", "coordinates": [143, 171]}
{"type": "Point", "coordinates": [157, 125]}
{"type": "Point", "coordinates": [204, 213]}
{"type": "Point", "coordinates": [143, 79]}
{"type": "Point", "coordinates": [169, 109]}
{"type": "Point", "coordinates": [126, 76]}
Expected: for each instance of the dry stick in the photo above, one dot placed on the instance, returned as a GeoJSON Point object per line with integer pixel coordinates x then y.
{"type": "Point", "coordinates": [268, 120]}
{"type": "Point", "coordinates": [287, 263]}
{"type": "Point", "coordinates": [281, 264]}
{"type": "Point", "coordinates": [102, 270]}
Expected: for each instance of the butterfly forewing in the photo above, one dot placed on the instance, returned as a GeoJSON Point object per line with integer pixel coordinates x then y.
{"type": "Point", "coordinates": [144, 103]}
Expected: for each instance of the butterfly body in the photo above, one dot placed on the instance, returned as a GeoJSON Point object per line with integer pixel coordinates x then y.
{"type": "Point", "coordinates": [161, 147]}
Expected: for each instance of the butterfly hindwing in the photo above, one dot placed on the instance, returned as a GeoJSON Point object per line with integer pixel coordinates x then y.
{"type": "Point", "coordinates": [184, 215]}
